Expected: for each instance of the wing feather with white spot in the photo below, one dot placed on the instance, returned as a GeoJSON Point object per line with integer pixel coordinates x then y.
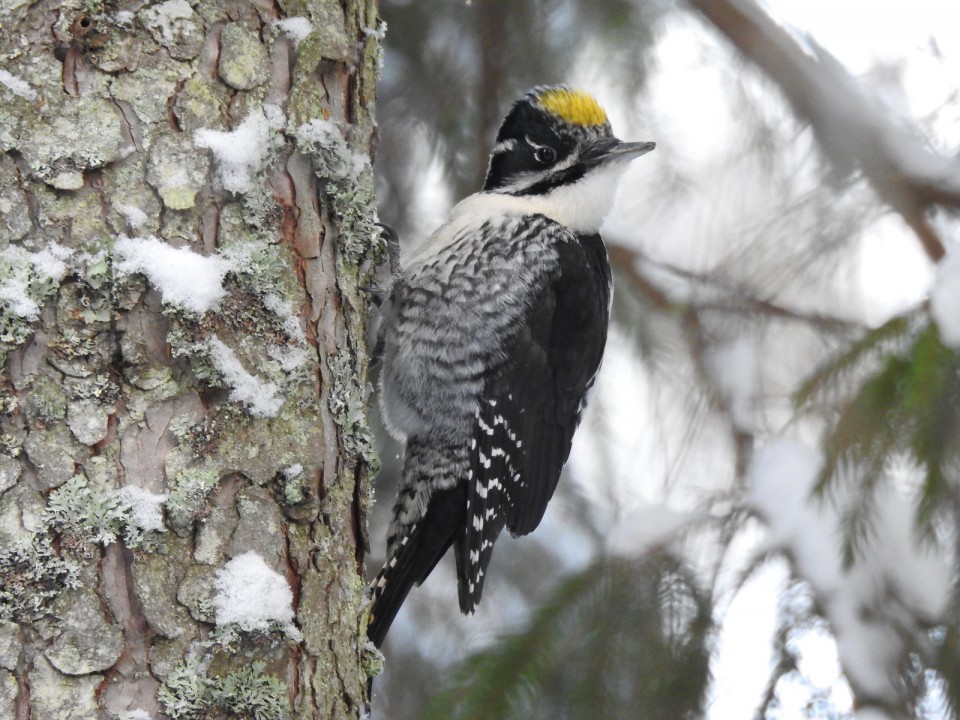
{"type": "Point", "coordinates": [531, 407]}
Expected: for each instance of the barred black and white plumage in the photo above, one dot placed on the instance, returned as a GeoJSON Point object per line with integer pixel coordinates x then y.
{"type": "Point", "coordinates": [492, 334]}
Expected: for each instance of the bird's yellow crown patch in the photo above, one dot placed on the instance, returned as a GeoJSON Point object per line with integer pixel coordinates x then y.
{"type": "Point", "coordinates": [573, 106]}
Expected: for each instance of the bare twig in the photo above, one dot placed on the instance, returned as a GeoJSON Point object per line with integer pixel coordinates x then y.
{"type": "Point", "coordinates": [718, 296]}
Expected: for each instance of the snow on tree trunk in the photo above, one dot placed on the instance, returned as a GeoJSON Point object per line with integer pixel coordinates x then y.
{"type": "Point", "coordinates": [186, 219]}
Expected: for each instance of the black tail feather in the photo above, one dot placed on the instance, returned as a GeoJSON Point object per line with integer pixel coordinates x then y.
{"type": "Point", "coordinates": [417, 553]}
{"type": "Point", "coordinates": [390, 588]}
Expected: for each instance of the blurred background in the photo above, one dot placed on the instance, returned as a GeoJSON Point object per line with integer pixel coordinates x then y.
{"type": "Point", "coordinates": [759, 517]}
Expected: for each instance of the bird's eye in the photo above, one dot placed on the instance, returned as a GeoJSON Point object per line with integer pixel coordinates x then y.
{"type": "Point", "coordinates": [545, 155]}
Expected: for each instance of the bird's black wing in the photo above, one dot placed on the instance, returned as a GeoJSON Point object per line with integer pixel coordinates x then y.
{"type": "Point", "coordinates": [531, 406]}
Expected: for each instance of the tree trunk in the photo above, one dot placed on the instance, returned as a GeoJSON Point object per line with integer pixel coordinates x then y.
{"type": "Point", "coordinates": [186, 209]}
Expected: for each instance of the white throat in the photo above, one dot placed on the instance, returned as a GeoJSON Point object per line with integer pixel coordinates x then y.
{"type": "Point", "coordinates": [583, 205]}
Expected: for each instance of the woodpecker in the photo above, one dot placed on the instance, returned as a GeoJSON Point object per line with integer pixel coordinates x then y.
{"type": "Point", "coordinates": [491, 334]}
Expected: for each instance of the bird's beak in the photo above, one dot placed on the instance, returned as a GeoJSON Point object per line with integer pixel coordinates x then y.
{"type": "Point", "coordinates": [607, 150]}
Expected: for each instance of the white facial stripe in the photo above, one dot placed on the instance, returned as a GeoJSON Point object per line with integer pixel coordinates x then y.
{"type": "Point", "coordinates": [532, 177]}
{"type": "Point", "coordinates": [531, 143]}
{"type": "Point", "coordinates": [504, 146]}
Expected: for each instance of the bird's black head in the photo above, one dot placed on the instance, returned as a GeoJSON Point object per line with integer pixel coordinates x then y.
{"type": "Point", "coordinates": [552, 137]}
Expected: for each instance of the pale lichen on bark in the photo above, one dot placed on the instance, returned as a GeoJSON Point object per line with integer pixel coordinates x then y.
{"type": "Point", "coordinates": [109, 382]}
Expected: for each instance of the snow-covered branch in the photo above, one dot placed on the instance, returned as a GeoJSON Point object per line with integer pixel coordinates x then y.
{"type": "Point", "coordinates": [854, 127]}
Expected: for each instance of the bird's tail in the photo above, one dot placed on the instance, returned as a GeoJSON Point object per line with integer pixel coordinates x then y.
{"type": "Point", "coordinates": [418, 539]}
{"type": "Point", "coordinates": [389, 589]}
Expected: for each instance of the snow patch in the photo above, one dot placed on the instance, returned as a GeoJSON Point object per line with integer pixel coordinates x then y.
{"type": "Point", "coordinates": [276, 118]}
{"type": "Point", "coordinates": [377, 33]}
{"type": "Point", "coordinates": [289, 358]}
{"type": "Point", "coordinates": [281, 308]}
{"type": "Point", "coordinates": [295, 28]}
{"type": "Point", "coordinates": [17, 86]}
{"type": "Point", "coordinates": [137, 714]}
{"type": "Point", "coordinates": [260, 396]}
{"type": "Point", "coordinates": [322, 132]}
{"type": "Point", "coordinates": [295, 470]}
{"type": "Point", "coordinates": [167, 17]}
{"type": "Point", "coordinates": [734, 369]}
{"type": "Point", "coordinates": [326, 134]}
{"type": "Point", "coordinates": [146, 508]}
{"type": "Point", "coordinates": [26, 268]}
{"type": "Point", "coordinates": [51, 262]}
{"type": "Point", "coordinates": [893, 579]}
{"type": "Point", "coordinates": [251, 595]}
{"type": "Point", "coordinates": [945, 299]}
{"type": "Point", "coordinates": [134, 215]}
{"type": "Point", "coordinates": [16, 299]}
{"type": "Point", "coordinates": [184, 278]}
{"type": "Point", "coordinates": [239, 152]}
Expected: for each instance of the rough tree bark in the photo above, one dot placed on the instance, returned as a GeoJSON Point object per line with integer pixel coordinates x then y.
{"type": "Point", "coordinates": [186, 212]}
